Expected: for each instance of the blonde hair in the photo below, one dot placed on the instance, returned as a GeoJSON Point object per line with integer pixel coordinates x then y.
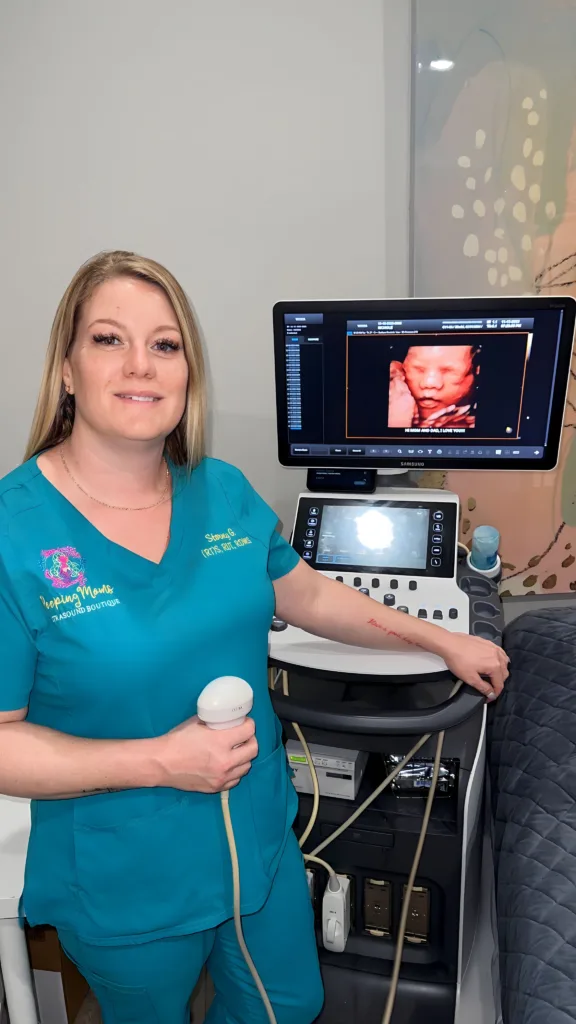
{"type": "Point", "coordinates": [54, 415]}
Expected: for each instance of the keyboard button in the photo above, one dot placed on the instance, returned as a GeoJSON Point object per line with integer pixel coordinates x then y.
{"type": "Point", "coordinates": [389, 600]}
{"type": "Point", "coordinates": [437, 614]}
{"type": "Point", "coordinates": [364, 590]}
{"type": "Point", "coordinates": [357, 581]}
{"type": "Point", "coordinates": [393, 584]}
{"type": "Point", "coordinates": [438, 515]}
{"type": "Point", "coordinates": [402, 608]}
{"type": "Point", "coordinates": [375, 583]}
{"type": "Point", "coordinates": [435, 562]}
{"type": "Point", "coordinates": [437, 528]}
{"type": "Point", "coordinates": [436, 551]}
{"type": "Point", "coordinates": [422, 613]}
{"type": "Point", "coordinates": [413, 585]}
{"type": "Point", "coordinates": [453, 613]}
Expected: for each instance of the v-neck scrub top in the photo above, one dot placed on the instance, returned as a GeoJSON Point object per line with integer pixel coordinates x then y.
{"type": "Point", "coordinates": [104, 644]}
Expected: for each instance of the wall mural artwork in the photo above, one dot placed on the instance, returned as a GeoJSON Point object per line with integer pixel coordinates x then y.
{"type": "Point", "coordinates": [494, 213]}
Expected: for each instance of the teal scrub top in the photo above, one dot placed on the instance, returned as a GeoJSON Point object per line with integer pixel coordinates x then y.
{"type": "Point", "coordinates": [102, 643]}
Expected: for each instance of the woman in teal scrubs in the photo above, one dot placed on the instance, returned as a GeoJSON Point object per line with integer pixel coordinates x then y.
{"type": "Point", "coordinates": [133, 571]}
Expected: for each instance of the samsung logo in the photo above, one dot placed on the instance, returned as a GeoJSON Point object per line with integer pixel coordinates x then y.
{"type": "Point", "coordinates": [413, 465]}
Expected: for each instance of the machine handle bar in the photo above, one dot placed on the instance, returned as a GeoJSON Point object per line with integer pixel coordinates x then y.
{"type": "Point", "coordinates": [357, 717]}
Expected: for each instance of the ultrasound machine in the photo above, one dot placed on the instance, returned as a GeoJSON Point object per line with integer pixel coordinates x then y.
{"type": "Point", "coordinates": [369, 394]}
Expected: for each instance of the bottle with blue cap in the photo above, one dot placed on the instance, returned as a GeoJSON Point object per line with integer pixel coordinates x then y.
{"type": "Point", "coordinates": [484, 557]}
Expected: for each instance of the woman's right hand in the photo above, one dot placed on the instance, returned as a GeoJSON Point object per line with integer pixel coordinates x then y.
{"type": "Point", "coordinates": [195, 758]}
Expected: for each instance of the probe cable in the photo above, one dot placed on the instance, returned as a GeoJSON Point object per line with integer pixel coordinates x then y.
{"type": "Point", "coordinates": [390, 1002]}
{"type": "Point", "coordinates": [313, 857]}
{"type": "Point", "coordinates": [237, 911]}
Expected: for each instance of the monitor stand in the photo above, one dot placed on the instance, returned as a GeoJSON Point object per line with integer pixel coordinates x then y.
{"type": "Point", "coordinates": [351, 481]}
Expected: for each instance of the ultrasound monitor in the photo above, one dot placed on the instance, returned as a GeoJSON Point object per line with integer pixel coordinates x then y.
{"type": "Point", "coordinates": [476, 383]}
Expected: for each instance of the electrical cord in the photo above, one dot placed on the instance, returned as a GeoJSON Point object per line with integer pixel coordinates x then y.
{"type": "Point", "coordinates": [380, 789]}
{"type": "Point", "coordinates": [313, 857]}
{"type": "Point", "coordinates": [315, 786]}
{"type": "Point", "coordinates": [313, 772]}
{"type": "Point", "coordinates": [373, 796]}
{"type": "Point", "coordinates": [322, 863]}
{"type": "Point", "coordinates": [224, 798]}
{"type": "Point", "coordinates": [390, 1002]}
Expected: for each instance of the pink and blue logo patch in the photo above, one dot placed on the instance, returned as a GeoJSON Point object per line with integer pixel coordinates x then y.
{"type": "Point", "coordinates": [64, 567]}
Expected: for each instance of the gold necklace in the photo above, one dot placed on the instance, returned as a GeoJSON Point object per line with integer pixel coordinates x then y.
{"type": "Point", "coordinates": [119, 508]}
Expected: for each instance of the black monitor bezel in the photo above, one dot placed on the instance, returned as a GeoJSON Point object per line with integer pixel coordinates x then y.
{"type": "Point", "coordinates": [391, 307]}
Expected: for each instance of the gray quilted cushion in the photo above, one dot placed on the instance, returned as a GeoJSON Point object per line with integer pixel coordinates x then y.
{"type": "Point", "coordinates": [533, 768]}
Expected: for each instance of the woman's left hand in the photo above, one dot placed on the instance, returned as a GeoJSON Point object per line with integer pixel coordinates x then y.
{"type": "Point", "coordinates": [477, 662]}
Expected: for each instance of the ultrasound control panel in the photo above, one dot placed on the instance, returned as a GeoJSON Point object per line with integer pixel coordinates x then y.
{"type": "Point", "coordinates": [400, 548]}
{"type": "Point", "coordinates": [398, 536]}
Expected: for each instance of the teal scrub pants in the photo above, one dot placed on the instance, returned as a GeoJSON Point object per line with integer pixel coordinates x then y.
{"type": "Point", "coordinates": [151, 983]}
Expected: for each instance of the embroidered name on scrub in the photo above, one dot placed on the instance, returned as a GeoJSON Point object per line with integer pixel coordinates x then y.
{"type": "Point", "coordinates": [220, 543]}
{"type": "Point", "coordinates": [78, 602]}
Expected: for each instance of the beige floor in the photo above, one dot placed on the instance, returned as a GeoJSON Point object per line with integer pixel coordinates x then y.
{"type": "Point", "coordinates": [90, 1012]}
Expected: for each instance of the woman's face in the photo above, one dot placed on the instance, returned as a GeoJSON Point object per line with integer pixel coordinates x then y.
{"type": "Point", "coordinates": [126, 367]}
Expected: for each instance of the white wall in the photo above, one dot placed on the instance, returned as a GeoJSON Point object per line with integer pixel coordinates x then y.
{"type": "Point", "coordinates": [241, 142]}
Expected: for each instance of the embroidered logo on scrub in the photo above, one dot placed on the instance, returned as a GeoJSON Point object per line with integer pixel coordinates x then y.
{"type": "Point", "coordinates": [64, 568]}
{"type": "Point", "coordinates": [220, 543]}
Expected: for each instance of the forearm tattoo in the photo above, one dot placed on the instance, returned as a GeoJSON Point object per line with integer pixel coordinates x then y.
{"type": "Point", "coordinates": [392, 632]}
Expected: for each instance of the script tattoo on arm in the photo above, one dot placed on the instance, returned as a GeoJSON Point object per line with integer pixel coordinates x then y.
{"type": "Point", "coordinates": [392, 632]}
{"type": "Point", "coordinates": [93, 792]}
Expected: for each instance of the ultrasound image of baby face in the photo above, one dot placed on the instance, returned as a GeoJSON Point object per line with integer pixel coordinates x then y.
{"type": "Point", "coordinates": [434, 381]}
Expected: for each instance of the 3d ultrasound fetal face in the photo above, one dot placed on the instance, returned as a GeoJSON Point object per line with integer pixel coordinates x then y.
{"type": "Point", "coordinates": [433, 386]}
